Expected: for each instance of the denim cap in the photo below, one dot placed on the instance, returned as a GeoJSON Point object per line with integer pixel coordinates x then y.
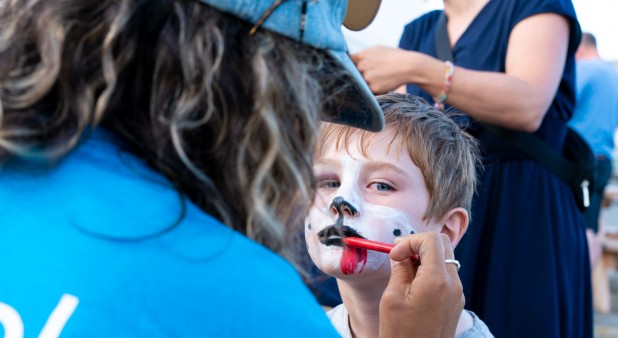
{"type": "Point", "coordinates": [353, 103]}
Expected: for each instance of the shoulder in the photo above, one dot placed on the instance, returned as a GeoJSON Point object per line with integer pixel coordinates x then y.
{"type": "Point", "coordinates": [266, 291]}
{"type": "Point", "coordinates": [338, 313]}
{"type": "Point", "coordinates": [597, 71]}
{"type": "Point", "coordinates": [477, 330]}
{"type": "Point", "coordinates": [590, 66]}
{"type": "Point", "coordinates": [100, 189]}
{"type": "Point", "coordinates": [522, 9]}
{"type": "Point", "coordinates": [103, 195]}
{"type": "Point", "coordinates": [423, 22]}
{"type": "Point", "coordinates": [419, 29]}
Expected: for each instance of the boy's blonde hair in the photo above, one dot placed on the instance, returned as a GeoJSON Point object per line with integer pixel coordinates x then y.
{"type": "Point", "coordinates": [446, 155]}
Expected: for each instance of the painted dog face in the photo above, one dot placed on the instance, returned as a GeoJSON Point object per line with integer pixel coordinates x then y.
{"type": "Point", "coordinates": [379, 196]}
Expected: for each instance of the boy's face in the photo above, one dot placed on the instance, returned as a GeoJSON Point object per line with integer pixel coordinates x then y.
{"type": "Point", "coordinates": [378, 197]}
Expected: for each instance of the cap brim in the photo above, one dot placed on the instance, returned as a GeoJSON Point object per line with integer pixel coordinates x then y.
{"type": "Point", "coordinates": [360, 13]}
{"type": "Point", "coordinates": [352, 103]}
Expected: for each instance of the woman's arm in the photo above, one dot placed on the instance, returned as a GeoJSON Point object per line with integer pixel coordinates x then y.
{"type": "Point", "coordinates": [517, 99]}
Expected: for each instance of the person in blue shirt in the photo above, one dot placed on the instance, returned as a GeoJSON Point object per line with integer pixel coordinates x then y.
{"type": "Point", "coordinates": [596, 116]}
{"type": "Point", "coordinates": [155, 159]}
{"type": "Point", "coordinates": [525, 265]}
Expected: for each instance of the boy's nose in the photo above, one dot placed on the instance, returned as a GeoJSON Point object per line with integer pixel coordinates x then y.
{"type": "Point", "coordinates": [340, 206]}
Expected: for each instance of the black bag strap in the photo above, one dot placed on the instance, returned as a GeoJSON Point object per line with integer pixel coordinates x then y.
{"type": "Point", "coordinates": [441, 40]}
{"type": "Point", "coordinates": [528, 143]}
{"type": "Point", "coordinates": [538, 150]}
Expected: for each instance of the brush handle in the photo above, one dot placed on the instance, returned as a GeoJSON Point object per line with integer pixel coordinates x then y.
{"type": "Point", "coordinates": [361, 243]}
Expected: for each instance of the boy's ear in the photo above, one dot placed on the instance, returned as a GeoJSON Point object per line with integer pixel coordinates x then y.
{"type": "Point", "coordinates": [455, 224]}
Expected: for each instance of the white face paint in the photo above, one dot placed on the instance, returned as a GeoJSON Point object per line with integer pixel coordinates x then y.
{"type": "Point", "coordinates": [379, 197]}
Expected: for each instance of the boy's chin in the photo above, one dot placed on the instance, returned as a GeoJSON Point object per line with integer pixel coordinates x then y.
{"type": "Point", "coordinates": [329, 266]}
{"type": "Point", "coordinates": [362, 277]}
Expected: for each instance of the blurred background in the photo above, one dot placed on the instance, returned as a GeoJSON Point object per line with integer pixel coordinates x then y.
{"type": "Point", "coordinates": [595, 16]}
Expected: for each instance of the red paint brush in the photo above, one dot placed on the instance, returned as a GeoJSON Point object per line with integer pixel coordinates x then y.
{"type": "Point", "coordinates": [361, 243]}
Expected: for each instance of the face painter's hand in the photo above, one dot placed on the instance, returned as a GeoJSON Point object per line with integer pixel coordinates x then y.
{"type": "Point", "coordinates": [423, 300]}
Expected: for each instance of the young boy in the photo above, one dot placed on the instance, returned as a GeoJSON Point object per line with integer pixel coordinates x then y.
{"type": "Point", "coordinates": [416, 175]}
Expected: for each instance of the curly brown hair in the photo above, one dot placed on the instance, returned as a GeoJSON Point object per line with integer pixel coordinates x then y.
{"type": "Point", "coordinates": [230, 119]}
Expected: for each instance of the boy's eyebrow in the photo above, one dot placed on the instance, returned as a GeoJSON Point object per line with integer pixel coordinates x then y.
{"type": "Point", "coordinates": [329, 162]}
{"type": "Point", "coordinates": [370, 166]}
{"type": "Point", "coordinates": [379, 165]}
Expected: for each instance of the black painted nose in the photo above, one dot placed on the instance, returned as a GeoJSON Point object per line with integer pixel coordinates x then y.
{"type": "Point", "coordinates": [343, 207]}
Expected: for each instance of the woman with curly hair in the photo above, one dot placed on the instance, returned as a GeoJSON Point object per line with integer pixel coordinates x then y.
{"type": "Point", "coordinates": [155, 157]}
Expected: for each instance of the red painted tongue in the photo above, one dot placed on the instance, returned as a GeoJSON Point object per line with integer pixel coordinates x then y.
{"type": "Point", "coordinates": [350, 258]}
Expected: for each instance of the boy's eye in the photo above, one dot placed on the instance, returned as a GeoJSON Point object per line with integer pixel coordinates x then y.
{"type": "Point", "coordinates": [381, 186]}
{"type": "Point", "coordinates": [331, 184]}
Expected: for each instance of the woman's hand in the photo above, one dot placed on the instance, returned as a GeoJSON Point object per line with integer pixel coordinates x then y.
{"type": "Point", "coordinates": [423, 300]}
{"type": "Point", "coordinates": [383, 67]}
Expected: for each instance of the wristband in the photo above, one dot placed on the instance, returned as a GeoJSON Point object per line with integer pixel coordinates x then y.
{"type": "Point", "coordinates": [446, 87]}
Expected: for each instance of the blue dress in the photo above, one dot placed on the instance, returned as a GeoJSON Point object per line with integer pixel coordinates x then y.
{"type": "Point", "coordinates": [525, 267]}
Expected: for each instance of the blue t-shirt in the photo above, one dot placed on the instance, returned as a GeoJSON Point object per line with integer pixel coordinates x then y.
{"type": "Point", "coordinates": [102, 246]}
{"type": "Point", "coordinates": [596, 113]}
{"type": "Point", "coordinates": [483, 47]}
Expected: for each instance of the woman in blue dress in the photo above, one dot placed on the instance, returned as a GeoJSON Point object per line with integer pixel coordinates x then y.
{"type": "Point", "coordinates": [525, 267]}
